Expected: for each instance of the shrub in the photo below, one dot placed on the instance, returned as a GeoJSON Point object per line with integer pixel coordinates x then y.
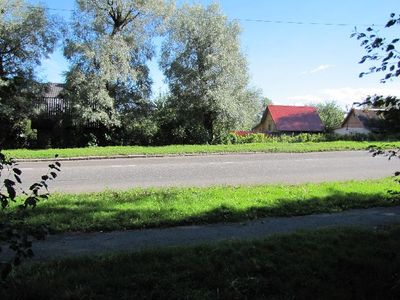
{"type": "Point", "coordinates": [13, 231]}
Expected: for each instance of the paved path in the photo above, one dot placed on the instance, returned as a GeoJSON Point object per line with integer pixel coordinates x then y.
{"type": "Point", "coordinates": [232, 169]}
{"type": "Point", "coordinates": [65, 245]}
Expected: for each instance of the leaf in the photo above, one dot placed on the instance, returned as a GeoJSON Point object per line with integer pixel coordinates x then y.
{"type": "Point", "coordinates": [389, 47]}
{"type": "Point", "coordinates": [30, 201]}
{"type": "Point", "coordinates": [17, 178]}
{"type": "Point", "coordinates": [45, 177]}
{"type": "Point", "coordinates": [17, 171]}
{"type": "Point", "coordinates": [53, 174]}
{"type": "Point", "coordinates": [11, 192]}
{"type": "Point", "coordinates": [34, 186]}
{"type": "Point", "coordinates": [8, 182]}
{"type": "Point", "coordinates": [58, 164]}
{"type": "Point", "coordinates": [390, 23]}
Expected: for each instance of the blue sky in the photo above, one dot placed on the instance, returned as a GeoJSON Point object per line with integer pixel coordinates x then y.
{"type": "Point", "coordinates": [291, 64]}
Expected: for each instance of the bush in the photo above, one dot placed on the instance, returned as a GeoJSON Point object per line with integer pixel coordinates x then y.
{"type": "Point", "coordinates": [14, 232]}
{"type": "Point", "coordinates": [244, 137]}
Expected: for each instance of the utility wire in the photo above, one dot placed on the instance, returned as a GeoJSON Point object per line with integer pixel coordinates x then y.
{"type": "Point", "coordinates": [304, 23]}
{"type": "Point", "coordinates": [263, 20]}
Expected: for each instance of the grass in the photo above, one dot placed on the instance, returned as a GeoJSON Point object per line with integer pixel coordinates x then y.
{"type": "Point", "coordinates": [161, 207]}
{"type": "Point", "coordinates": [325, 264]}
{"type": "Point", "coordinates": [197, 149]}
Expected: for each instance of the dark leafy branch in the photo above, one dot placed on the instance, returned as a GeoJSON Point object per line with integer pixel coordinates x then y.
{"type": "Point", "coordinates": [385, 51]}
{"type": "Point", "coordinates": [382, 49]}
{"type": "Point", "coordinates": [14, 234]}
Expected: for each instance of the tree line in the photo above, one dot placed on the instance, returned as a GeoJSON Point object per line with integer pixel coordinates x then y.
{"type": "Point", "coordinates": [108, 45]}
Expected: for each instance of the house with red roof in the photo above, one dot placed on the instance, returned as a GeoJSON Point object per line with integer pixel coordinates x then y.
{"type": "Point", "coordinates": [290, 119]}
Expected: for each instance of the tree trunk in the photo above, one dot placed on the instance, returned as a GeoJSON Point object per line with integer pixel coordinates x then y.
{"type": "Point", "coordinates": [209, 126]}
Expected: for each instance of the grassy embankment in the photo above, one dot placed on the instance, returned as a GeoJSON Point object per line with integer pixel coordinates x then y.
{"type": "Point", "coordinates": [324, 264]}
{"type": "Point", "coordinates": [161, 207]}
{"type": "Point", "coordinates": [197, 149]}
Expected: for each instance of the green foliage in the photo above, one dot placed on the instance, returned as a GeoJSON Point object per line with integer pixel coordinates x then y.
{"type": "Point", "coordinates": [28, 34]}
{"type": "Point", "coordinates": [108, 50]}
{"type": "Point", "coordinates": [382, 49]}
{"type": "Point", "coordinates": [389, 110]}
{"type": "Point", "coordinates": [234, 138]}
{"type": "Point", "coordinates": [332, 116]}
{"type": "Point", "coordinates": [207, 75]}
{"type": "Point", "coordinates": [14, 233]}
{"type": "Point", "coordinates": [17, 97]}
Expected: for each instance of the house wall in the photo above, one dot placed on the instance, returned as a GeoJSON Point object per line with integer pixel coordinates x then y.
{"type": "Point", "coordinates": [351, 130]}
{"type": "Point", "coordinates": [353, 122]}
{"type": "Point", "coordinates": [352, 126]}
{"type": "Point", "coordinates": [268, 125]}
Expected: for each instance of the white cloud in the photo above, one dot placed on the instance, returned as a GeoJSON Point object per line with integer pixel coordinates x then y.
{"type": "Point", "coordinates": [318, 69]}
{"type": "Point", "coordinates": [345, 96]}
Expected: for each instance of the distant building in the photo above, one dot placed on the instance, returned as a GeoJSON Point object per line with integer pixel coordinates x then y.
{"type": "Point", "coordinates": [290, 119]}
{"type": "Point", "coordinates": [360, 121]}
{"type": "Point", "coordinates": [52, 103]}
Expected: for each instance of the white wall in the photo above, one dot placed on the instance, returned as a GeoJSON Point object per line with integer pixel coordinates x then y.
{"type": "Point", "coordinates": [347, 131]}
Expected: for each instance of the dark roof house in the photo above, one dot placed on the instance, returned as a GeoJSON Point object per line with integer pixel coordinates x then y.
{"type": "Point", "coordinates": [289, 119]}
{"type": "Point", "coordinates": [53, 90]}
{"type": "Point", "coordinates": [362, 121]}
{"type": "Point", "coordinates": [52, 103]}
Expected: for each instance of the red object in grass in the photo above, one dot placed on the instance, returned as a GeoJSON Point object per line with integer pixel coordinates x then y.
{"type": "Point", "coordinates": [242, 132]}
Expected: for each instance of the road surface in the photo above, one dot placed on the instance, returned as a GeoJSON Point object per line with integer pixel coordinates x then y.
{"type": "Point", "coordinates": [289, 168]}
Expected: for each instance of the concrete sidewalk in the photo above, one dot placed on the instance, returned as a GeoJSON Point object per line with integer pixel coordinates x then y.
{"type": "Point", "coordinates": [76, 244]}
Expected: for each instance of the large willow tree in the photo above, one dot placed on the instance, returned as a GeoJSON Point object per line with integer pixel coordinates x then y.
{"type": "Point", "coordinates": [27, 35]}
{"type": "Point", "coordinates": [110, 43]}
{"type": "Point", "coordinates": [207, 72]}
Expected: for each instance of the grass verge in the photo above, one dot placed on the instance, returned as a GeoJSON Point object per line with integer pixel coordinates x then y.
{"type": "Point", "coordinates": [160, 207]}
{"type": "Point", "coordinates": [325, 264]}
{"type": "Point", "coordinates": [197, 149]}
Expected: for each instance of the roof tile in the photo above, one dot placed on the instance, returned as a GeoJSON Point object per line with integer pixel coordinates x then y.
{"type": "Point", "coordinates": [296, 118]}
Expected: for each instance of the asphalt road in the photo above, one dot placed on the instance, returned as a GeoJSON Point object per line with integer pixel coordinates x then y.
{"type": "Point", "coordinates": [97, 175]}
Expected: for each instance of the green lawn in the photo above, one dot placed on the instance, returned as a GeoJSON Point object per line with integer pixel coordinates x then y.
{"type": "Point", "coordinates": [198, 149]}
{"type": "Point", "coordinates": [325, 264]}
{"type": "Point", "coordinates": [142, 208]}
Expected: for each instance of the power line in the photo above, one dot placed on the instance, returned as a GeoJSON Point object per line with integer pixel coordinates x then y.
{"type": "Point", "coordinates": [302, 23]}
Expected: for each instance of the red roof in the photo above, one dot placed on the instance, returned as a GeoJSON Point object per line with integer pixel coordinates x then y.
{"type": "Point", "coordinates": [295, 118]}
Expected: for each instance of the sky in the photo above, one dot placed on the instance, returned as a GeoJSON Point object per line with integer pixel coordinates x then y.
{"type": "Point", "coordinates": [292, 64]}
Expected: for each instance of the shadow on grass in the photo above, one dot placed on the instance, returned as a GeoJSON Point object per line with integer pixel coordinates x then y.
{"type": "Point", "coordinates": [119, 211]}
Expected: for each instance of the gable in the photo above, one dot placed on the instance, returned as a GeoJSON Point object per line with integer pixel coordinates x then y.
{"type": "Point", "coordinates": [296, 118]}
{"type": "Point", "coordinates": [362, 118]}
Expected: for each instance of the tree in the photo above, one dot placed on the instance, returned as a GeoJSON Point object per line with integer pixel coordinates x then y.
{"type": "Point", "coordinates": [28, 34]}
{"type": "Point", "coordinates": [381, 49]}
{"type": "Point", "coordinates": [108, 50]}
{"type": "Point", "coordinates": [207, 74]}
{"type": "Point", "coordinates": [384, 50]}
{"type": "Point", "coordinates": [331, 115]}
{"type": "Point", "coordinates": [14, 232]}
